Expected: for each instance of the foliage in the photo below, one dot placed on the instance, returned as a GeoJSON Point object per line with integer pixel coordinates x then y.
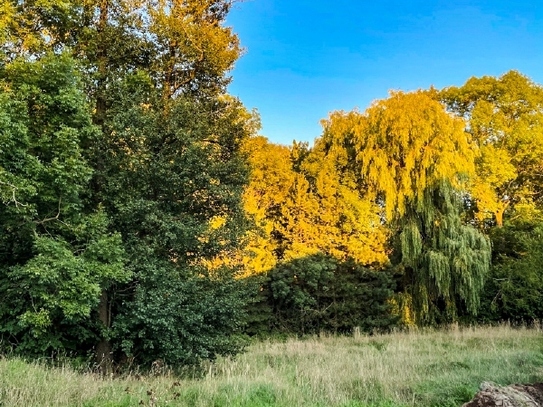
{"type": "Point", "coordinates": [514, 289]}
{"type": "Point", "coordinates": [31, 28]}
{"type": "Point", "coordinates": [193, 49]}
{"type": "Point", "coordinates": [444, 262]}
{"type": "Point", "coordinates": [123, 226]}
{"type": "Point", "coordinates": [505, 119]}
{"type": "Point", "coordinates": [411, 158]}
{"type": "Point", "coordinates": [398, 148]}
{"type": "Point", "coordinates": [160, 175]}
{"type": "Point", "coordinates": [55, 255]}
{"type": "Point", "coordinates": [181, 319]}
{"type": "Point", "coordinates": [302, 207]}
{"type": "Point", "coordinates": [270, 180]}
{"type": "Point", "coordinates": [320, 293]}
{"type": "Point", "coordinates": [170, 171]}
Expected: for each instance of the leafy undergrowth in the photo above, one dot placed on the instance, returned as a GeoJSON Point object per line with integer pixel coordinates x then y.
{"type": "Point", "coordinates": [438, 368]}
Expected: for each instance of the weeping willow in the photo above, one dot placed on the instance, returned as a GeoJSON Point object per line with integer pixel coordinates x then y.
{"type": "Point", "coordinates": [445, 261]}
{"type": "Point", "coordinates": [411, 158]}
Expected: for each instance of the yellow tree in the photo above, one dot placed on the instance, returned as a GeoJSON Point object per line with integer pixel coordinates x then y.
{"type": "Point", "coordinates": [346, 223]}
{"type": "Point", "coordinates": [301, 207]}
{"type": "Point", "coordinates": [408, 155]}
{"type": "Point", "coordinates": [192, 43]}
{"type": "Point", "coordinates": [505, 119]}
{"type": "Point", "coordinates": [271, 179]}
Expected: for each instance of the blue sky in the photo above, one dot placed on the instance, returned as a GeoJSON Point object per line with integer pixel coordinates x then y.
{"type": "Point", "coordinates": [306, 58]}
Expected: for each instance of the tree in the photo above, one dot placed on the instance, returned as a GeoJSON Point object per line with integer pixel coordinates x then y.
{"type": "Point", "coordinates": [410, 157]}
{"type": "Point", "coordinates": [165, 169]}
{"type": "Point", "coordinates": [444, 262]}
{"type": "Point", "coordinates": [56, 253]}
{"type": "Point", "coordinates": [194, 50]}
{"type": "Point", "coordinates": [505, 119]}
{"type": "Point", "coordinates": [306, 216]}
{"type": "Point", "coordinates": [514, 290]}
{"type": "Point", "coordinates": [270, 179]}
{"type": "Point", "coordinates": [303, 207]}
{"type": "Point", "coordinates": [31, 28]}
{"type": "Point", "coordinates": [169, 175]}
{"type": "Point", "coordinates": [399, 147]}
{"type": "Point", "coordinates": [347, 223]}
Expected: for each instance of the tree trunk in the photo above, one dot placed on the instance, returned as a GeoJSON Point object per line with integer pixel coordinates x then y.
{"type": "Point", "coordinates": [104, 357]}
{"type": "Point", "coordinates": [103, 348]}
{"type": "Point", "coordinates": [499, 214]}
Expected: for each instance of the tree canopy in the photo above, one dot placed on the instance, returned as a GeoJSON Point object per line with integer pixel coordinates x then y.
{"type": "Point", "coordinates": [505, 119]}
{"type": "Point", "coordinates": [411, 158]}
{"type": "Point", "coordinates": [143, 218]}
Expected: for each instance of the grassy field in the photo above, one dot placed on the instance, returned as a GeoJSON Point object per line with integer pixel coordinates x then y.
{"type": "Point", "coordinates": [442, 368]}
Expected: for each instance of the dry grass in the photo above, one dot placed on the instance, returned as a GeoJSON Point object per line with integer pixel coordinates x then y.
{"type": "Point", "coordinates": [439, 368]}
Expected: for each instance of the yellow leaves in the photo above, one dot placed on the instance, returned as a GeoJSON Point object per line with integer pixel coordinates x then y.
{"type": "Point", "coordinates": [193, 39]}
{"type": "Point", "coordinates": [25, 27]}
{"type": "Point", "coordinates": [303, 213]}
{"type": "Point", "coordinates": [402, 306]}
{"type": "Point", "coordinates": [7, 17]}
{"type": "Point", "coordinates": [506, 122]}
{"type": "Point", "coordinates": [217, 222]}
{"type": "Point", "coordinates": [402, 145]}
{"type": "Point", "coordinates": [494, 165]}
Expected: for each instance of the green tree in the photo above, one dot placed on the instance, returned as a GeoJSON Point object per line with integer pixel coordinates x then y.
{"type": "Point", "coordinates": [514, 290]}
{"type": "Point", "coordinates": [164, 166]}
{"type": "Point", "coordinates": [56, 254]}
{"type": "Point", "coordinates": [444, 262]}
{"type": "Point", "coordinates": [319, 293]}
{"type": "Point", "coordinates": [169, 173]}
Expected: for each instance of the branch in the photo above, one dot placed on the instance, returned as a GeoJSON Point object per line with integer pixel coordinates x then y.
{"type": "Point", "coordinates": [56, 217]}
{"type": "Point", "coordinates": [13, 196]}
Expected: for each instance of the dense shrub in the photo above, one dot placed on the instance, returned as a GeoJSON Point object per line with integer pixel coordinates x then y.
{"type": "Point", "coordinates": [514, 289]}
{"type": "Point", "coordinates": [320, 293]}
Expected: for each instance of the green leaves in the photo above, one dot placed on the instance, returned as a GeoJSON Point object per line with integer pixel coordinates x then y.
{"type": "Point", "coordinates": [445, 262]}
{"type": "Point", "coordinates": [319, 293]}
{"type": "Point", "coordinates": [55, 255]}
{"type": "Point", "coordinates": [91, 214]}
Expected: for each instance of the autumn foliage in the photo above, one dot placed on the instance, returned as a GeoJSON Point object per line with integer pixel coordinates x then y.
{"type": "Point", "coordinates": [143, 218]}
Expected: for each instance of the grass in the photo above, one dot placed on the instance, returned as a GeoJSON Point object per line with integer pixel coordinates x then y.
{"type": "Point", "coordinates": [439, 368]}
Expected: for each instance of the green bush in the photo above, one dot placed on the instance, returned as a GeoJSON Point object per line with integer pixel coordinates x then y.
{"type": "Point", "coordinates": [320, 293]}
{"type": "Point", "coordinates": [181, 320]}
{"type": "Point", "coordinates": [514, 289]}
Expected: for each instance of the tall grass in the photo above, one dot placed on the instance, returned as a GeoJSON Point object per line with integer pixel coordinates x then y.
{"type": "Point", "coordinates": [433, 368]}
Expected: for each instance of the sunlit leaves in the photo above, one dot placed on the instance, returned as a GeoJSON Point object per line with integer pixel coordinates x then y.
{"type": "Point", "coordinates": [401, 145]}
{"type": "Point", "coordinates": [505, 118]}
{"type": "Point", "coordinates": [411, 158]}
{"type": "Point", "coordinates": [302, 206]}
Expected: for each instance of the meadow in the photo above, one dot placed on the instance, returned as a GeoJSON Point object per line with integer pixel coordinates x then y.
{"type": "Point", "coordinates": [416, 368]}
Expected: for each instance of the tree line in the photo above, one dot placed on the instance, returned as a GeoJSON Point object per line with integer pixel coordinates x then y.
{"type": "Point", "coordinates": [142, 218]}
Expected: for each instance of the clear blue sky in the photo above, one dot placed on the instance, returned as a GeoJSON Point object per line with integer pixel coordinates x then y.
{"type": "Point", "coordinates": [306, 58]}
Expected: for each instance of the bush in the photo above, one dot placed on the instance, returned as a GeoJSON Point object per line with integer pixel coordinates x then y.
{"type": "Point", "coordinates": [514, 289]}
{"type": "Point", "coordinates": [320, 293]}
